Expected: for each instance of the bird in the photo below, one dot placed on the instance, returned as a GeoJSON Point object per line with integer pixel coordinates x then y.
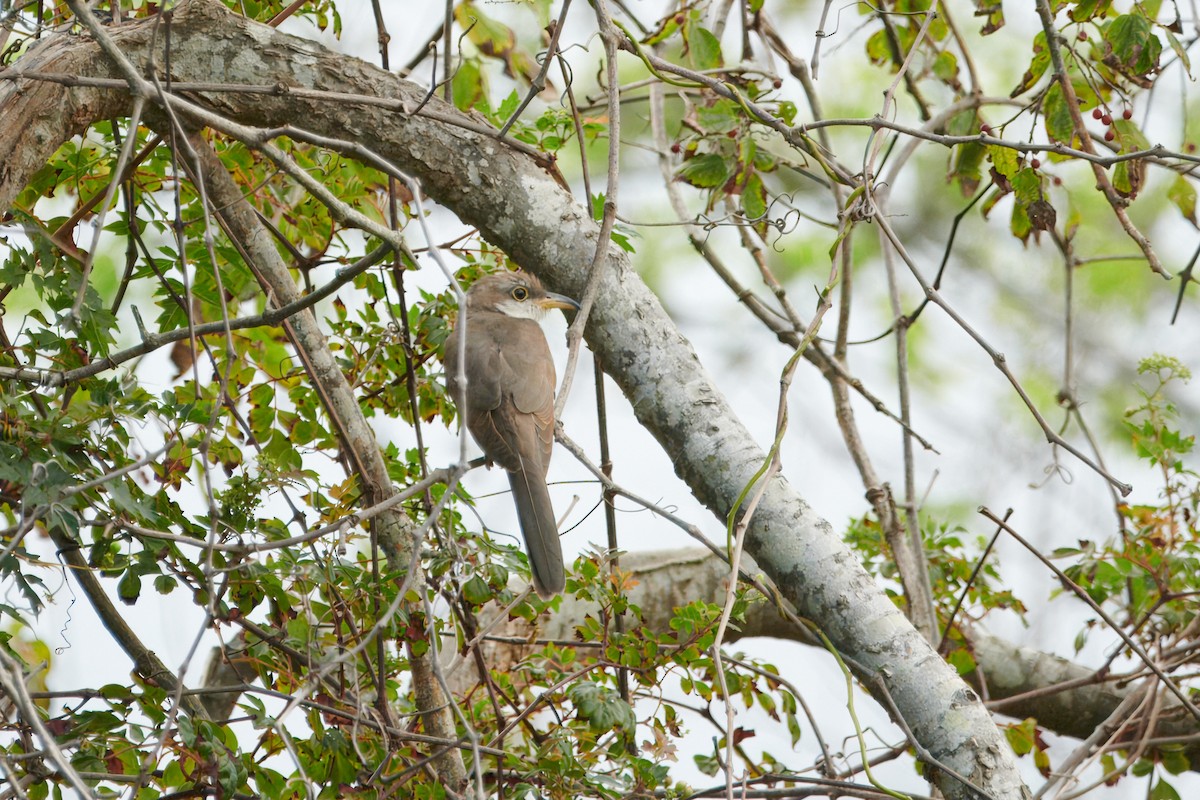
{"type": "Point", "coordinates": [507, 402]}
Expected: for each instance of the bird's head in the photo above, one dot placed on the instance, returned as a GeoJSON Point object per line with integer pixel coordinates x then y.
{"type": "Point", "coordinates": [515, 294]}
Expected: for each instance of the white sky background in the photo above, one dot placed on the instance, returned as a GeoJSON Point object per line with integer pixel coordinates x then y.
{"type": "Point", "coordinates": [991, 451]}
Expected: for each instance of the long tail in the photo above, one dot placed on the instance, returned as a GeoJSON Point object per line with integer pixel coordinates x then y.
{"type": "Point", "coordinates": [540, 530]}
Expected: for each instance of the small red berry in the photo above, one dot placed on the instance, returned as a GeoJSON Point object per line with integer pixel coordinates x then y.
{"type": "Point", "coordinates": [1033, 162]}
{"type": "Point", "coordinates": [679, 19]}
{"type": "Point", "coordinates": [1106, 119]}
{"type": "Point", "coordinates": [676, 147]}
{"type": "Point", "coordinates": [1057, 181]}
{"type": "Point", "coordinates": [1081, 36]}
{"type": "Point", "coordinates": [1097, 113]}
{"type": "Point", "coordinates": [1109, 135]}
{"type": "Point", "coordinates": [1127, 114]}
{"type": "Point", "coordinates": [778, 84]}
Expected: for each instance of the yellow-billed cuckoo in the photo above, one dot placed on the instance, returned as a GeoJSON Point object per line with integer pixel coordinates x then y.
{"type": "Point", "coordinates": [509, 402]}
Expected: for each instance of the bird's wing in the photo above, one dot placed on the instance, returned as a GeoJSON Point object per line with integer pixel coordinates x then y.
{"type": "Point", "coordinates": [510, 391]}
{"type": "Point", "coordinates": [531, 385]}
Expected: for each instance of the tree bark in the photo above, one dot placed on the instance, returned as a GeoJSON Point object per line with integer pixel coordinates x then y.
{"type": "Point", "coordinates": [520, 205]}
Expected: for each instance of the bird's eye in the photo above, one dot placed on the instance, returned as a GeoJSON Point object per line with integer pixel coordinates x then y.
{"type": "Point", "coordinates": [520, 293]}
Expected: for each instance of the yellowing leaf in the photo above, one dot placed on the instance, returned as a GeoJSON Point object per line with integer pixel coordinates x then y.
{"type": "Point", "coordinates": [1005, 160]}
{"type": "Point", "coordinates": [1183, 195]}
{"type": "Point", "coordinates": [754, 197]}
{"type": "Point", "coordinates": [491, 37]}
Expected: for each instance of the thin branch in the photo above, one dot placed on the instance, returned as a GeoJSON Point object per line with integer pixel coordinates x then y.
{"type": "Point", "coordinates": [1092, 604]}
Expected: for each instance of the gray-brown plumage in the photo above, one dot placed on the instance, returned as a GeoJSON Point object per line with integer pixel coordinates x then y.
{"type": "Point", "coordinates": [509, 402]}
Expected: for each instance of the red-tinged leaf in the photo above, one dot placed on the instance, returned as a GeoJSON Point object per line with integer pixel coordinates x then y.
{"type": "Point", "coordinates": [993, 14]}
{"type": "Point", "coordinates": [1041, 760]}
{"type": "Point", "coordinates": [1042, 215]}
{"type": "Point", "coordinates": [741, 734]}
{"type": "Point", "coordinates": [1135, 48]}
{"type": "Point", "coordinates": [668, 28]}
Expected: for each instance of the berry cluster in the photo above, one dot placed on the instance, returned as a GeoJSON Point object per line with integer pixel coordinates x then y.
{"type": "Point", "coordinates": [1106, 118]}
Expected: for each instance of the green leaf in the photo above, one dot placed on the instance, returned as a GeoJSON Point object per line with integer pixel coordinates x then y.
{"type": "Point", "coordinates": [706, 171]}
{"type": "Point", "coordinates": [1183, 195]}
{"type": "Point", "coordinates": [945, 66]}
{"type": "Point", "coordinates": [1163, 791]}
{"type": "Point", "coordinates": [709, 765]}
{"type": "Point", "coordinates": [129, 587]}
{"type": "Point", "coordinates": [1021, 736]}
{"type": "Point", "coordinates": [962, 661]}
{"type": "Point", "coordinates": [1056, 115]}
{"type": "Point", "coordinates": [704, 50]}
{"type": "Point", "coordinates": [469, 85]}
{"type": "Point", "coordinates": [623, 241]}
{"type": "Point", "coordinates": [879, 49]}
{"type": "Point", "coordinates": [1027, 185]}
{"type": "Point", "coordinates": [602, 708]}
{"type": "Point", "coordinates": [1027, 188]}
{"type": "Point", "coordinates": [1175, 760]}
{"type": "Point", "coordinates": [786, 111]}
{"type": "Point", "coordinates": [1133, 43]}
{"type": "Point", "coordinates": [509, 106]}
{"type": "Point", "coordinates": [1089, 9]}
{"type": "Point", "coordinates": [720, 117]}
{"type": "Point", "coordinates": [476, 591]}
{"type": "Point", "coordinates": [964, 123]}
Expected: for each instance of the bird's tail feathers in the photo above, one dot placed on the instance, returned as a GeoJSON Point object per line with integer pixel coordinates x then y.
{"type": "Point", "coordinates": [540, 530]}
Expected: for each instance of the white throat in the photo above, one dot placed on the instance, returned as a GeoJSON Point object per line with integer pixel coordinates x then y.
{"type": "Point", "coordinates": [525, 310]}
